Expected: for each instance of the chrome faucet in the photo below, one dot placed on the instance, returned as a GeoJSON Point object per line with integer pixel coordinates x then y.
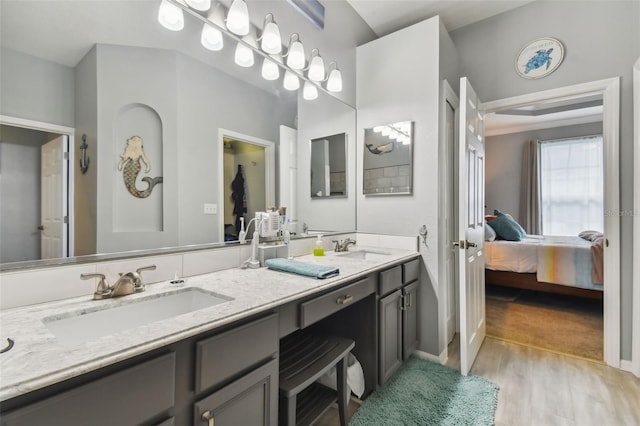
{"type": "Point", "coordinates": [343, 245]}
{"type": "Point", "coordinates": [128, 283]}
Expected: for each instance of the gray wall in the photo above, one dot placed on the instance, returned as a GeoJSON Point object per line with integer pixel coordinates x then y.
{"type": "Point", "coordinates": [503, 173]}
{"type": "Point", "coordinates": [602, 40]}
{"type": "Point", "coordinates": [36, 89]}
{"type": "Point", "coordinates": [20, 193]}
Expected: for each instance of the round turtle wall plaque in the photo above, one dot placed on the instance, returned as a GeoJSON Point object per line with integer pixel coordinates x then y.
{"type": "Point", "coordinates": [539, 58]}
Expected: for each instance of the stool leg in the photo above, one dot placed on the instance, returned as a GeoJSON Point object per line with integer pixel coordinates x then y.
{"type": "Point", "coordinates": [291, 410]}
{"type": "Point", "coordinates": [343, 397]}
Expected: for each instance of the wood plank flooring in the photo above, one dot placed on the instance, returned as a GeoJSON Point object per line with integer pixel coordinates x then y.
{"type": "Point", "coordinates": [542, 388]}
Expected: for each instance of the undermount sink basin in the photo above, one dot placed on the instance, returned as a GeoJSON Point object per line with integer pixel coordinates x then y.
{"type": "Point", "coordinates": [365, 255]}
{"type": "Point", "coordinates": [78, 327]}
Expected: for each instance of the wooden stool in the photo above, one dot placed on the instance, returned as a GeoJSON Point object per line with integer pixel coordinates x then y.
{"type": "Point", "coordinates": [304, 357]}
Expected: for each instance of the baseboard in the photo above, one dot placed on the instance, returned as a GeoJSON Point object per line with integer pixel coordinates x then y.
{"type": "Point", "coordinates": [628, 366]}
{"type": "Point", "coordinates": [440, 359]}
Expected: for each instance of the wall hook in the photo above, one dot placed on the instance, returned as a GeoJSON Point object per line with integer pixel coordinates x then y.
{"type": "Point", "coordinates": [84, 160]}
{"type": "Point", "coordinates": [423, 233]}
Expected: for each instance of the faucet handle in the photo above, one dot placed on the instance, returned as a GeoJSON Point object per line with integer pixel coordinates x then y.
{"type": "Point", "coordinates": [137, 277]}
{"type": "Point", "coordinates": [146, 268]}
{"type": "Point", "coordinates": [102, 289]}
{"type": "Point", "coordinates": [337, 246]}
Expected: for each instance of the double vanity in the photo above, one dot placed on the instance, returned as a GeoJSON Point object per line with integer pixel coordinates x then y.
{"type": "Point", "coordinates": [202, 351]}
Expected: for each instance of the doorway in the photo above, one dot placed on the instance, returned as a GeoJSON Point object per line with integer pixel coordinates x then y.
{"type": "Point", "coordinates": [609, 91]}
{"type": "Point", "coordinates": [37, 190]}
{"type": "Point", "coordinates": [247, 183]}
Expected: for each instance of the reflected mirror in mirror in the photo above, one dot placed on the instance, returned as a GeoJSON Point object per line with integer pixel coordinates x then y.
{"type": "Point", "coordinates": [329, 166]}
{"type": "Point", "coordinates": [387, 159]}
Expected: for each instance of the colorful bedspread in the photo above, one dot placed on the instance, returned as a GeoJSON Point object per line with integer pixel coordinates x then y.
{"type": "Point", "coordinates": [567, 261]}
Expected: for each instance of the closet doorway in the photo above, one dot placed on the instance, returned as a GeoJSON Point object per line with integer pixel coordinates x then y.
{"type": "Point", "coordinates": [605, 92]}
{"type": "Point", "coordinates": [247, 182]}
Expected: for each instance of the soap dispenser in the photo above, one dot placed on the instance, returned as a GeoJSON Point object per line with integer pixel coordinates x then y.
{"type": "Point", "coordinates": [318, 250]}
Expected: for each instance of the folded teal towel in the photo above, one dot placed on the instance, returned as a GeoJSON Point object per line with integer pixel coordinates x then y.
{"type": "Point", "coordinates": [302, 268]}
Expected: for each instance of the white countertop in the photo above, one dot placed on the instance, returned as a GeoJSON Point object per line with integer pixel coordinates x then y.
{"type": "Point", "coordinates": [38, 359]}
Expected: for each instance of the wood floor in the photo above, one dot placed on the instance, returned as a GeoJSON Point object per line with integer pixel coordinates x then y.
{"type": "Point", "coordinates": [541, 388]}
{"type": "Point", "coordinates": [538, 387]}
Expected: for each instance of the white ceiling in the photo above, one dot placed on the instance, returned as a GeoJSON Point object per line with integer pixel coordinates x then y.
{"type": "Point", "coordinates": [387, 16]}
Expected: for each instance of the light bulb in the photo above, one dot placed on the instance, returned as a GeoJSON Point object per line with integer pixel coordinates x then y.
{"type": "Point", "coordinates": [316, 68]}
{"type": "Point", "coordinates": [238, 18]}
{"type": "Point", "coordinates": [291, 81]}
{"type": "Point", "coordinates": [202, 5]}
{"type": "Point", "coordinates": [243, 56]}
{"type": "Point", "coordinates": [295, 55]}
{"type": "Point", "coordinates": [334, 83]}
{"type": "Point", "coordinates": [271, 42]}
{"type": "Point", "coordinates": [270, 71]}
{"type": "Point", "coordinates": [170, 16]}
{"type": "Point", "coordinates": [211, 38]}
{"type": "Point", "coordinates": [310, 91]}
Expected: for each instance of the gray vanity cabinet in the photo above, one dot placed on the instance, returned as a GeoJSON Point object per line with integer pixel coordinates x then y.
{"type": "Point", "coordinates": [397, 316]}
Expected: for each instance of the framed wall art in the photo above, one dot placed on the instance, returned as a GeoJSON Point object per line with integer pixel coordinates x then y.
{"type": "Point", "coordinates": [539, 58]}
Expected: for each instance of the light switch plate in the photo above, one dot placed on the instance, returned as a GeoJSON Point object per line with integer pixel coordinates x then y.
{"type": "Point", "coordinates": [210, 208]}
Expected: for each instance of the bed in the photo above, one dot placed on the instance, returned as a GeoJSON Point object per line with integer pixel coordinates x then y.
{"type": "Point", "coordinates": [564, 265]}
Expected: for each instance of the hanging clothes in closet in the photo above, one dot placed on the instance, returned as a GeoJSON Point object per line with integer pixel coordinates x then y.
{"type": "Point", "coordinates": [239, 196]}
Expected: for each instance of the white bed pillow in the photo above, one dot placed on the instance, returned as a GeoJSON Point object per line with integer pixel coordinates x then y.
{"type": "Point", "coordinates": [489, 233]}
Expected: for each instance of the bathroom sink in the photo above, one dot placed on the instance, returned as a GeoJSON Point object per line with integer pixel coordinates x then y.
{"type": "Point", "coordinates": [366, 255]}
{"type": "Point", "coordinates": [80, 326]}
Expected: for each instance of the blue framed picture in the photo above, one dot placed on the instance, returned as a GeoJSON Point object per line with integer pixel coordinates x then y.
{"type": "Point", "coordinates": [539, 58]}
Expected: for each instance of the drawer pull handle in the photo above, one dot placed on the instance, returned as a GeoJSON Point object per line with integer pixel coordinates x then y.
{"type": "Point", "coordinates": [343, 300]}
{"type": "Point", "coordinates": [207, 416]}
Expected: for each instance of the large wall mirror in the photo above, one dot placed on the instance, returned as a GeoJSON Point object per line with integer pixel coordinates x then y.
{"type": "Point", "coordinates": [329, 166]}
{"type": "Point", "coordinates": [387, 159]}
{"type": "Point", "coordinates": [109, 61]}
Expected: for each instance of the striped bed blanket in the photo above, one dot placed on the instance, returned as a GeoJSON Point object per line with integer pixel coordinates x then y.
{"type": "Point", "coordinates": [566, 260]}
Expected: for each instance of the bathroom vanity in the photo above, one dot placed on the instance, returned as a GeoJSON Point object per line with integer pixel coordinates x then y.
{"type": "Point", "coordinates": [214, 364]}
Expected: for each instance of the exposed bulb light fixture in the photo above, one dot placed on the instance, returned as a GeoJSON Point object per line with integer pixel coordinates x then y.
{"type": "Point", "coordinates": [316, 66]}
{"type": "Point", "coordinates": [270, 41]}
{"type": "Point", "coordinates": [243, 56]}
{"type": "Point", "coordinates": [295, 54]}
{"type": "Point", "coordinates": [238, 18]}
{"type": "Point", "coordinates": [270, 70]}
{"type": "Point", "coordinates": [291, 81]}
{"type": "Point", "coordinates": [310, 91]}
{"type": "Point", "coordinates": [170, 16]}
{"type": "Point", "coordinates": [211, 38]}
{"type": "Point", "coordinates": [201, 5]}
{"type": "Point", "coordinates": [334, 81]}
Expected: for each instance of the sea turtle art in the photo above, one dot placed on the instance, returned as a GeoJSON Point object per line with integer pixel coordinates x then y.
{"type": "Point", "coordinates": [130, 161]}
{"type": "Point", "coordinates": [541, 58]}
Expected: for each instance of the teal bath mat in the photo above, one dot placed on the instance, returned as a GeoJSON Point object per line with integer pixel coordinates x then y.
{"type": "Point", "coordinates": [424, 393]}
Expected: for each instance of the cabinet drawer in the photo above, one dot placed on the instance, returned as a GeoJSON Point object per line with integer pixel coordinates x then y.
{"type": "Point", "coordinates": [323, 306]}
{"type": "Point", "coordinates": [410, 271]}
{"type": "Point", "coordinates": [390, 280]}
{"type": "Point", "coordinates": [220, 357]}
{"type": "Point", "coordinates": [131, 396]}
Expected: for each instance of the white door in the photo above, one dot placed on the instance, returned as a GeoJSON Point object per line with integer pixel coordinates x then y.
{"type": "Point", "coordinates": [53, 229]}
{"type": "Point", "coordinates": [470, 226]}
{"type": "Point", "coordinates": [450, 223]}
{"type": "Point", "coordinates": [289, 174]}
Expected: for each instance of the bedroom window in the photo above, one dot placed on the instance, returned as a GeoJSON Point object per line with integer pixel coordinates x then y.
{"type": "Point", "coordinates": [571, 185]}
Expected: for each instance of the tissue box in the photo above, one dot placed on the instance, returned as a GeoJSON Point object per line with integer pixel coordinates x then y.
{"type": "Point", "coordinates": [271, 251]}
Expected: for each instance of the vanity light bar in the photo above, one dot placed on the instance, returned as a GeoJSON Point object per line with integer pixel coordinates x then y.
{"type": "Point", "coordinates": [171, 17]}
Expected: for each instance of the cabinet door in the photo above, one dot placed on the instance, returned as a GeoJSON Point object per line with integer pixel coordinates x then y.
{"type": "Point", "coordinates": [390, 350]}
{"type": "Point", "coordinates": [132, 396]}
{"type": "Point", "coordinates": [410, 320]}
{"type": "Point", "coordinates": [252, 400]}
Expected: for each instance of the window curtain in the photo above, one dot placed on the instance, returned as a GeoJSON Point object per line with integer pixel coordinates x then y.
{"type": "Point", "coordinates": [530, 192]}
